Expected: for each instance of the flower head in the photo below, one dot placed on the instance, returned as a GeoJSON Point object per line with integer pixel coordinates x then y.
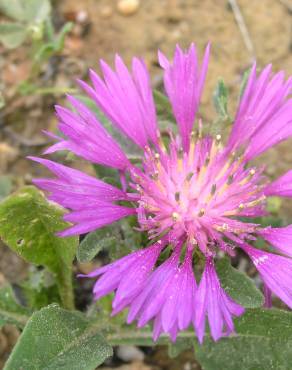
{"type": "Point", "coordinates": [191, 194]}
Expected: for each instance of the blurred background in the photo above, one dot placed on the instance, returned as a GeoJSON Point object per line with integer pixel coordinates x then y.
{"type": "Point", "coordinates": [45, 45]}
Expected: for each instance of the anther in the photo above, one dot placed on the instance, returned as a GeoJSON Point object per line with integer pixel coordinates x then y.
{"type": "Point", "coordinates": [252, 172]}
{"type": "Point", "coordinates": [218, 137]}
{"type": "Point", "coordinates": [193, 241]}
{"type": "Point", "coordinates": [241, 206]}
{"type": "Point", "coordinates": [230, 180]}
{"type": "Point", "coordinates": [155, 175]}
{"type": "Point", "coordinates": [175, 216]}
{"type": "Point", "coordinates": [193, 134]}
{"type": "Point", "coordinates": [213, 189]}
{"type": "Point", "coordinates": [156, 156]}
{"type": "Point", "coordinates": [201, 212]}
{"type": "Point", "coordinates": [207, 161]}
{"type": "Point", "coordinates": [189, 176]}
{"type": "Point", "coordinates": [224, 227]}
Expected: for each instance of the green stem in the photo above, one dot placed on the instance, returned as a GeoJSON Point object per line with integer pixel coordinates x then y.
{"type": "Point", "coordinates": [142, 338]}
{"type": "Point", "coordinates": [55, 90]}
{"type": "Point", "coordinates": [65, 287]}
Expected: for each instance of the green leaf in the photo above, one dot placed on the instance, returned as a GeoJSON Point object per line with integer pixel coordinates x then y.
{"type": "Point", "coordinates": [163, 107]}
{"type": "Point", "coordinates": [220, 99]}
{"type": "Point", "coordinates": [58, 339]}
{"type": "Point", "coordinates": [118, 239]}
{"type": "Point", "coordinates": [263, 341]}
{"type": "Point", "coordinates": [181, 345]}
{"type": "Point", "coordinates": [2, 101]}
{"type": "Point", "coordinates": [238, 285]}
{"type": "Point", "coordinates": [28, 223]}
{"type": "Point", "coordinates": [5, 186]}
{"type": "Point", "coordinates": [11, 312]}
{"type": "Point", "coordinates": [28, 11]}
{"type": "Point", "coordinates": [244, 80]}
{"type": "Point", "coordinates": [274, 205]}
{"type": "Point", "coordinates": [53, 46]}
{"type": "Point", "coordinates": [12, 35]}
{"type": "Point", "coordinates": [40, 289]}
{"type": "Point", "coordinates": [94, 242]}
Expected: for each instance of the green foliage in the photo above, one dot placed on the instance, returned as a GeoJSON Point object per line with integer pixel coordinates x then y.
{"type": "Point", "coordinates": [58, 339]}
{"type": "Point", "coordinates": [181, 345]}
{"type": "Point", "coordinates": [5, 186]}
{"type": "Point", "coordinates": [27, 11]}
{"type": "Point", "coordinates": [11, 312]}
{"type": "Point", "coordinates": [274, 204]}
{"type": "Point", "coordinates": [238, 285]}
{"type": "Point", "coordinates": [40, 289]}
{"type": "Point", "coordinates": [29, 16]}
{"type": "Point", "coordinates": [28, 223]}
{"type": "Point", "coordinates": [263, 341]}
{"type": "Point", "coordinates": [94, 242]}
{"type": "Point", "coordinates": [244, 82]}
{"type": "Point", "coordinates": [220, 99]}
{"type": "Point", "coordinates": [2, 100]}
{"type": "Point", "coordinates": [118, 240]}
{"type": "Point", "coordinates": [163, 107]}
{"type": "Point", "coordinates": [12, 35]}
{"type": "Point", "coordinates": [54, 44]}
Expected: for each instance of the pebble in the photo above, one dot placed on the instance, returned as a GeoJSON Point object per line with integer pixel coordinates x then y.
{"type": "Point", "coordinates": [128, 7]}
{"type": "Point", "coordinates": [130, 353]}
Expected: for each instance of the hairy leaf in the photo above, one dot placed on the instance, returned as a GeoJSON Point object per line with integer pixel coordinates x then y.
{"type": "Point", "coordinates": [29, 11]}
{"type": "Point", "coordinates": [12, 35]}
{"type": "Point", "coordinates": [263, 341]}
{"type": "Point", "coordinates": [238, 285]}
{"type": "Point", "coordinates": [11, 312]}
{"type": "Point", "coordinates": [28, 223]}
{"type": "Point", "coordinates": [58, 339]}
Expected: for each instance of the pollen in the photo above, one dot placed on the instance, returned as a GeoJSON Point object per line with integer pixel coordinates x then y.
{"type": "Point", "coordinates": [175, 216]}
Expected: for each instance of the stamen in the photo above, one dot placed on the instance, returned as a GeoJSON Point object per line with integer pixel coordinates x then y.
{"type": "Point", "coordinates": [213, 189]}
{"type": "Point", "coordinates": [201, 212]}
{"type": "Point", "coordinates": [193, 241]}
{"type": "Point", "coordinates": [177, 196]}
{"type": "Point", "coordinates": [189, 176]}
{"type": "Point", "coordinates": [155, 175]}
{"type": "Point", "coordinates": [218, 138]}
{"type": "Point", "coordinates": [207, 161]}
{"type": "Point", "coordinates": [194, 134]}
{"type": "Point", "coordinates": [175, 216]}
{"type": "Point", "coordinates": [230, 180]}
{"type": "Point", "coordinates": [222, 228]}
{"type": "Point", "coordinates": [252, 172]}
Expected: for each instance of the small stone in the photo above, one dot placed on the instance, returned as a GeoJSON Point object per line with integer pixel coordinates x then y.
{"type": "Point", "coordinates": [130, 353]}
{"type": "Point", "coordinates": [128, 7]}
{"type": "Point", "coordinates": [82, 16]}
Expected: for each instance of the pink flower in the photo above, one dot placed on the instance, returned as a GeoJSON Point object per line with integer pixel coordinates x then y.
{"type": "Point", "coordinates": [191, 195]}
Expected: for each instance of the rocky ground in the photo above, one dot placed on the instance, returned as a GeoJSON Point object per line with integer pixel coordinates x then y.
{"type": "Point", "coordinates": [132, 27]}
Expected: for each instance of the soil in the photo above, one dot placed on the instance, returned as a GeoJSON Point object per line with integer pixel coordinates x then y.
{"type": "Point", "coordinates": [103, 28]}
